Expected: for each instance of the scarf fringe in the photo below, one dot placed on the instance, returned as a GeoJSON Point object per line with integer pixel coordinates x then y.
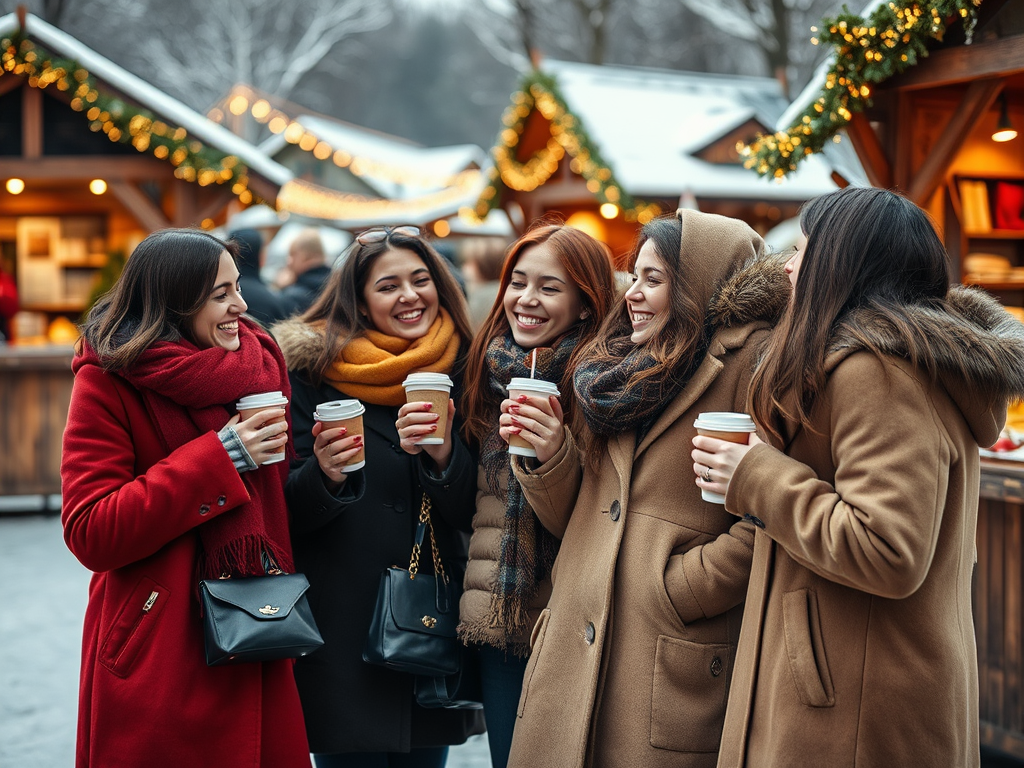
{"type": "Point", "coordinates": [244, 557]}
{"type": "Point", "coordinates": [477, 634]}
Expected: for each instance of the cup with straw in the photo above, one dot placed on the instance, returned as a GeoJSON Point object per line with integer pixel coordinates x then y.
{"type": "Point", "coordinates": [517, 446]}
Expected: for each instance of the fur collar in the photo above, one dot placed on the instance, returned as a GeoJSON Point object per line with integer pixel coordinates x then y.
{"type": "Point", "coordinates": [759, 291]}
{"type": "Point", "coordinates": [300, 344]}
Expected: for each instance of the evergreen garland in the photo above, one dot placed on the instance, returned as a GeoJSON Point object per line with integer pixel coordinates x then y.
{"type": "Point", "coordinates": [120, 120]}
{"type": "Point", "coordinates": [867, 52]}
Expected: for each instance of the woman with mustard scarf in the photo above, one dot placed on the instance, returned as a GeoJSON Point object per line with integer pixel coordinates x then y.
{"type": "Point", "coordinates": [391, 309]}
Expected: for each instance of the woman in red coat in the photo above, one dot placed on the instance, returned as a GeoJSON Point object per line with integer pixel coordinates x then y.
{"type": "Point", "coordinates": [162, 487]}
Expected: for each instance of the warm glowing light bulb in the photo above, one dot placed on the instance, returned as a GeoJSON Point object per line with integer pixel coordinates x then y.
{"type": "Point", "coordinates": [1007, 134]}
{"type": "Point", "coordinates": [442, 228]}
{"type": "Point", "coordinates": [238, 105]}
{"type": "Point", "coordinates": [15, 186]}
{"type": "Point", "coordinates": [609, 210]}
{"type": "Point", "coordinates": [97, 186]}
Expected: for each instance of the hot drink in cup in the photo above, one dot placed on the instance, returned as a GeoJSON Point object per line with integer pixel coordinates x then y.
{"type": "Point", "coordinates": [731, 427]}
{"type": "Point", "coordinates": [517, 446]}
{"type": "Point", "coordinates": [251, 404]}
{"type": "Point", "coordinates": [347, 414]}
{"type": "Point", "coordinates": [434, 388]}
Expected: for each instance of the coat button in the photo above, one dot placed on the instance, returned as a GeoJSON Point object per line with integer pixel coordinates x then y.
{"type": "Point", "coordinates": [399, 506]}
{"type": "Point", "coordinates": [590, 633]}
{"type": "Point", "coordinates": [615, 511]}
{"type": "Point", "coordinates": [716, 666]}
{"type": "Point", "coordinates": [755, 520]}
{"type": "Point", "coordinates": [204, 509]}
{"type": "Point", "coordinates": [222, 500]}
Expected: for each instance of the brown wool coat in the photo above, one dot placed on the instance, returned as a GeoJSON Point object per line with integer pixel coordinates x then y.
{"type": "Point", "coordinates": [857, 648]}
{"type": "Point", "coordinates": [632, 658]}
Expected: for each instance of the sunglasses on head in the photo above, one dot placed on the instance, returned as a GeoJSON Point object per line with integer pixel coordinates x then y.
{"type": "Point", "coordinates": [377, 234]}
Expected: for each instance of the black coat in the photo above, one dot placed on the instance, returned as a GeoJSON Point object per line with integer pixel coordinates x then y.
{"type": "Point", "coordinates": [300, 295]}
{"type": "Point", "coordinates": [263, 305]}
{"type": "Point", "coordinates": [343, 545]}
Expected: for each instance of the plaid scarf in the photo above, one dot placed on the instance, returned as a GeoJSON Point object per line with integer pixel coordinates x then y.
{"type": "Point", "coordinates": [610, 404]}
{"type": "Point", "coordinates": [527, 548]}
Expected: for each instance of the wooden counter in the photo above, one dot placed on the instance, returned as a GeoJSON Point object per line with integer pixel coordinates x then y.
{"type": "Point", "coordinates": [998, 605]}
{"type": "Point", "coordinates": [35, 390]}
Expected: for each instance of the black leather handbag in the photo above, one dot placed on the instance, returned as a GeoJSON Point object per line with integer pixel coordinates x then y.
{"type": "Point", "coordinates": [414, 620]}
{"type": "Point", "coordinates": [257, 618]}
{"type": "Point", "coordinates": [459, 691]}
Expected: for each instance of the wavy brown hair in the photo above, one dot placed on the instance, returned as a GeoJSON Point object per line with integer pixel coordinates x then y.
{"type": "Point", "coordinates": [165, 283]}
{"type": "Point", "coordinates": [338, 303]}
{"type": "Point", "coordinates": [867, 249]}
{"type": "Point", "coordinates": [588, 264]}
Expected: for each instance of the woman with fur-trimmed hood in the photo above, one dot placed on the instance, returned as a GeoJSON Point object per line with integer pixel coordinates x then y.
{"type": "Point", "coordinates": [632, 657]}
{"type": "Point", "coordinates": [876, 391]}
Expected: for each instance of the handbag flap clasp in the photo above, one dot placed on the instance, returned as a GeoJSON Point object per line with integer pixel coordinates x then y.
{"type": "Point", "coordinates": [262, 597]}
{"type": "Point", "coordinates": [407, 604]}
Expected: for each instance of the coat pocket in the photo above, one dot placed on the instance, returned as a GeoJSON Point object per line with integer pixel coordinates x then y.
{"type": "Point", "coordinates": [132, 626]}
{"type": "Point", "coordinates": [806, 650]}
{"type": "Point", "coordinates": [691, 686]}
{"type": "Point", "coordinates": [536, 643]}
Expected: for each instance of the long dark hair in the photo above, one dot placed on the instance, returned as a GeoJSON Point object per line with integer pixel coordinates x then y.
{"type": "Point", "coordinates": [866, 249]}
{"type": "Point", "coordinates": [165, 283]}
{"type": "Point", "coordinates": [338, 303]}
{"type": "Point", "coordinates": [588, 264]}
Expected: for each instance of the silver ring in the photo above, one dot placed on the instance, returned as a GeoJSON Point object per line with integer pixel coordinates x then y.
{"type": "Point", "coordinates": [706, 477]}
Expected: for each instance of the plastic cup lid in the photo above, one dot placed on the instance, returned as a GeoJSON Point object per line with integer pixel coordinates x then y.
{"type": "Point", "coordinates": [724, 421]}
{"type": "Point", "coordinates": [261, 400]}
{"type": "Point", "coordinates": [427, 381]}
{"type": "Point", "coordinates": [533, 385]}
{"type": "Point", "coordinates": [336, 410]}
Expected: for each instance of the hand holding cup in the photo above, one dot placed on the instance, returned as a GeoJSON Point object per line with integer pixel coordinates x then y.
{"type": "Point", "coordinates": [532, 424]}
{"type": "Point", "coordinates": [722, 441]}
{"type": "Point", "coordinates": [338, 444]}
{"type": "Point", "coordinates": [269, 406]}
{"type": "Point", "coordinates": [263, 433]}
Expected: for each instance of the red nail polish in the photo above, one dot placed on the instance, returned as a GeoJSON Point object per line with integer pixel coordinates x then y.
{"type": "Point", "coordinates": [513, 409]}
{"type": "Point", "coordinates": [522, 398]}
{"type": "Point", "coordinates": [514, 431]}
{"type": "Point", "coordinates": [427, 406]}
{"type": "Point", "coordinates": [516, 422]}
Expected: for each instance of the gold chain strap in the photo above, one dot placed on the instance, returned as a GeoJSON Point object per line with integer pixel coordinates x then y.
{"type": "Point", "coordinates": [414, 560]}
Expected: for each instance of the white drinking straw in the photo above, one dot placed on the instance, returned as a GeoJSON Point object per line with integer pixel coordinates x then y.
{"type": "Point", "coordinates": [533, 363]}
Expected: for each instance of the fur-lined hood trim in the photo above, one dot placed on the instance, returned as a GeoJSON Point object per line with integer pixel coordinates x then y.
{"type": "Point", "coordinates": [300, 343]}
{"type": "Point", "coordinates": [758, 291]}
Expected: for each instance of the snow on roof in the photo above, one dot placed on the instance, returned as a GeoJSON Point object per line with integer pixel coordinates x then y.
{"type": "Point", "coordinates": [148, 96]}
{"type": "Point", "coordinates": [427, 168]}
{"type": "Point", "coordinates": [646, 122]}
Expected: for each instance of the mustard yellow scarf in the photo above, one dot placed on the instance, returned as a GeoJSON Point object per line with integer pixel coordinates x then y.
{"type": "Point", "coordinates": [373, 366]}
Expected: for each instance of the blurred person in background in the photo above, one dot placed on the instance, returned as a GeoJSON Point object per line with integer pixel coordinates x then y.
{"type": "Point", "coordinates": [264, 306]}
{"type": "Point", "coordinates": [481, 259]}
{"type": "Point", "coordinates": [307, 270]}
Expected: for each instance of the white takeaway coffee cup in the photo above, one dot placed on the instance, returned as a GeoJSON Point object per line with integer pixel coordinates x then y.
{"type": "Point", "coordinates": [725, 425]}
{"type": "Point", "coordinates": [348, 414]}
{"type": "Point", "coordinates": [517, 446]}
{"type": "Point", "coordinates": [261, 401]}
{"type": "Point", "coordinates": [434, 388]}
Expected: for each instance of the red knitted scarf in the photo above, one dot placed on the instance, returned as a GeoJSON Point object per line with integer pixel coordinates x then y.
{"type": "Point", "coordinates": [189, 392]}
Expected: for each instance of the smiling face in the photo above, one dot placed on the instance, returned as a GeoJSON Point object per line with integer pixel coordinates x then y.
{"type": "Point", "coordinates": [541, 301]}
{"type": "Point", "coordinates": [648, 299]}
{"type": "Point", "coordinates": [216, 324]}
{"type": "Point", "coordinates": [400, 297]}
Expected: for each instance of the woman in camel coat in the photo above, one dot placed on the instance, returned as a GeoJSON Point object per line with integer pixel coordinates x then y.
{"type": "Point", "coordinates": [632, 658]}
{"type": "Point", "coordinates": [881, 384]}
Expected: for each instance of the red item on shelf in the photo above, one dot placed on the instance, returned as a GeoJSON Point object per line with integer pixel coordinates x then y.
{"type": "Point", "coordinates": [1009, 205]}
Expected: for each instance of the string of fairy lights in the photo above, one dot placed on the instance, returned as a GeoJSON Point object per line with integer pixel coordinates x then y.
{"type": "Point", "coordinates": [243, 100]}
{"type": "Point", "coordinates": [122, 121]}
{"type": "Point", "coordinates": [867, 52]}
{"type": "Point", "coordinates": [567, 136]}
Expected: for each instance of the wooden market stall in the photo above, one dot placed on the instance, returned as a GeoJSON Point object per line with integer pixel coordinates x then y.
{"type": "Point", "coordinates": [608, 148]}
{"type": "Point", "coordinates": [941, 132]}
{"type": "Point", "coordinates": [92, 159]}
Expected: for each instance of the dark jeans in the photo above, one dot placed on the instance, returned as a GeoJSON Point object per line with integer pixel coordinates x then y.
{"type": "Point", "coordinates": [501, 677]}
{"type": "Point", "coordinates": [428, 757]}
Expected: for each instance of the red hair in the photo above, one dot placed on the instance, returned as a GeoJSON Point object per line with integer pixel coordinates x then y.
{"type": "Point", "coordinates": [588, 264]}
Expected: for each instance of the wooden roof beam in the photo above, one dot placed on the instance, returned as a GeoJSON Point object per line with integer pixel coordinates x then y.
{"type": "Point", "coordinates": [962, 64]}
{"type": "Point", "coordinates": [140, 206]}
{"type": "Point", "coordinates": [979, 97]}
{"type": "Point", "coordinates": [870, 151]}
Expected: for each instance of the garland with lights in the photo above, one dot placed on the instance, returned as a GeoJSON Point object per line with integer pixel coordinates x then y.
{"type": "Point", "coordinates": [867, 52]}
{"type": "Point", "coordinates": [121, 121]}
{"type": "Point", "coordinates": [540, 92]}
